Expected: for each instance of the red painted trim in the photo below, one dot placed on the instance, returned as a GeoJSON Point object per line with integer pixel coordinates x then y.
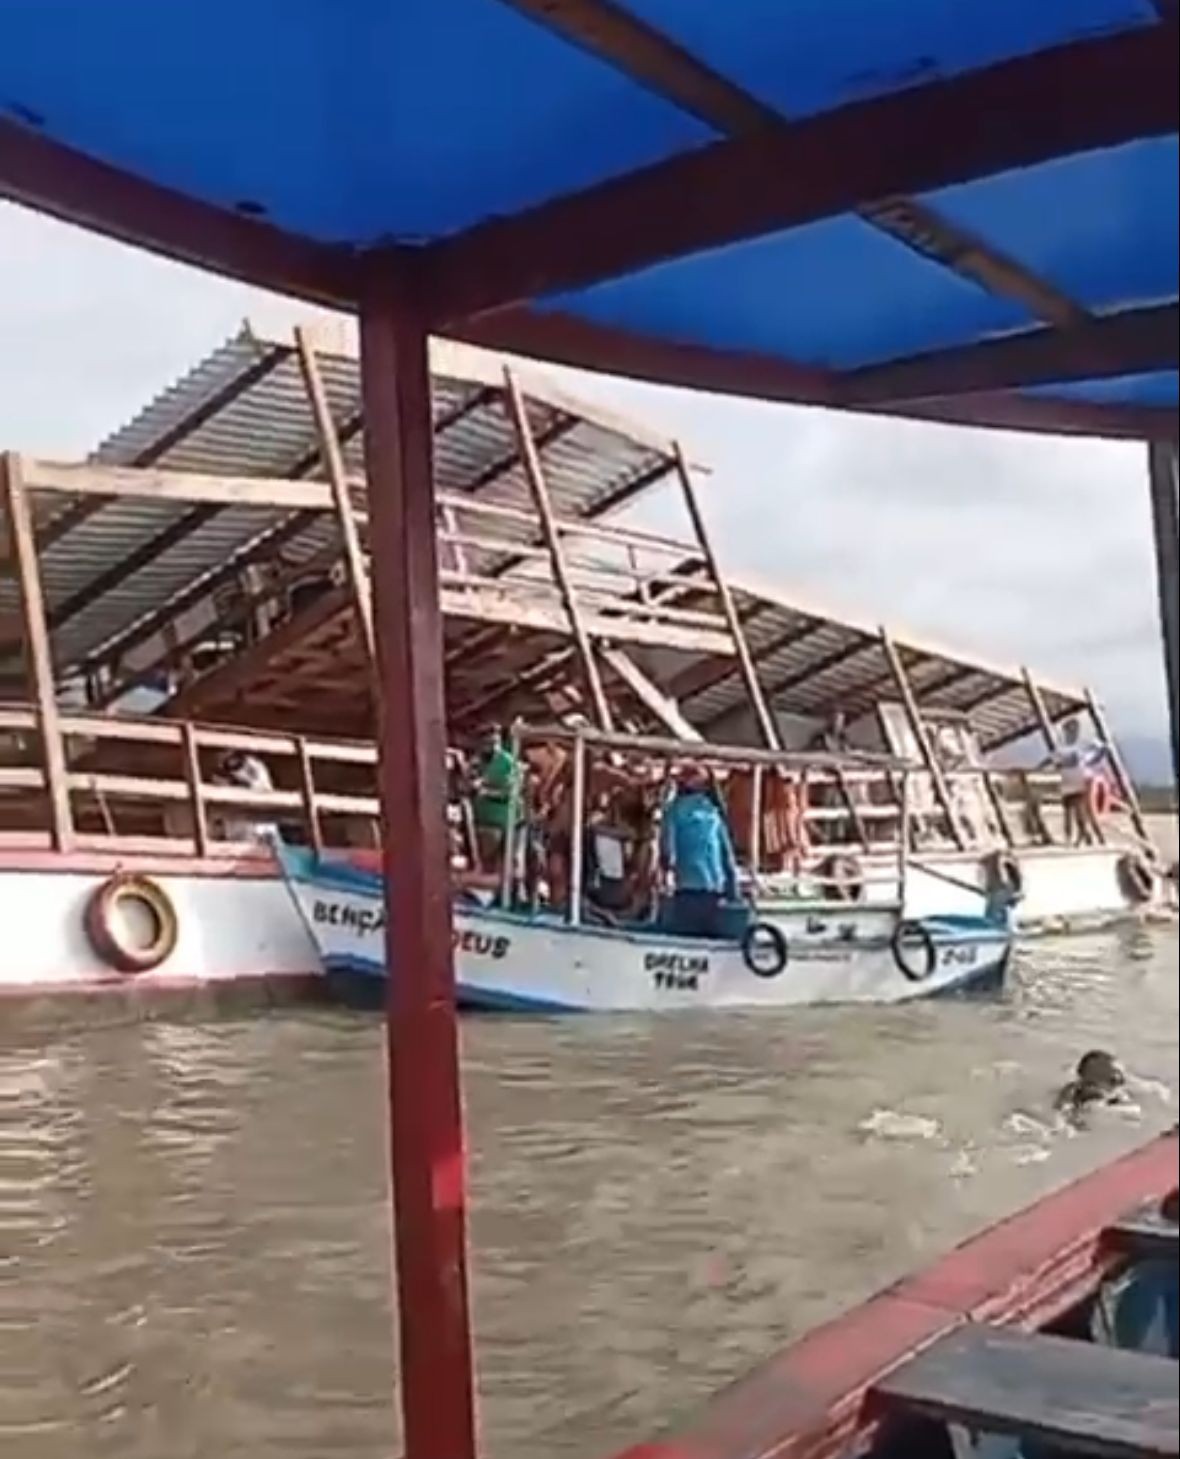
{"type": "Point", "coordinates": [813, 1401]}
{"type": "Point", "coordinates": [106, 863]}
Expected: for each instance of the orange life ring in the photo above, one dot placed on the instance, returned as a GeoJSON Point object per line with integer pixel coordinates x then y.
{"type": "Point", "coordinates": [1098, 798]}
{"type": "Point", "coordinates": [114, 940]}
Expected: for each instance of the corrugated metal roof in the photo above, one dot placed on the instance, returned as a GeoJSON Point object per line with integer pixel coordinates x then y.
{"type": "Point", "coordinates": [109, 564]}
{"type": "Point", "coordinates": [243, 411]}
{"type": "Point", "coordinates": [809, 663]}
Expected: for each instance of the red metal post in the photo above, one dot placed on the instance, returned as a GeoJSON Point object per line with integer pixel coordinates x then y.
{"type": "Point", "coordinates": [426, 1118]}
{"type": "Point", "coordinates": [1164, 514]}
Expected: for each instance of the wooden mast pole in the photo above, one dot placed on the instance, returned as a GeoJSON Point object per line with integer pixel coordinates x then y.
{"type": "Point", "coordinates": [426, 1117]}
{"type": "Point", "coordinates": [1041, 711]}
{"type": "Point", "coordinates": [1165, 523]}
{"type": "Point", "coordinates": [1126, 786]}
{"type": "Point", "coordinates": [741, 648]}
{"type": "Point", "coordinates": [917, 724]}
{"type": "Point", "coordinates": [332, 455]}
{"type": "Point", "coordinates": [38, 651]}
{"type": "Point", "coordinates": [551, 532]}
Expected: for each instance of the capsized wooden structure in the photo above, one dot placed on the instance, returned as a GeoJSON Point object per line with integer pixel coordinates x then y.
{"type": "Point", "coordinates": [215, 550]}
{"type": "Point", "coordinates": [958, 212]}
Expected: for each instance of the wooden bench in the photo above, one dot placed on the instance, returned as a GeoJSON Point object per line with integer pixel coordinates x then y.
{"type": "Point", "coordinates": [1088, 1399]}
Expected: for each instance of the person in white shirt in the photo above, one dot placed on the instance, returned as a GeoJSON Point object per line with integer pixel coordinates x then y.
{"type": "Point", "coordinates": [247, 772]}
{"type": "Point", "coordinates": [1079, 763]}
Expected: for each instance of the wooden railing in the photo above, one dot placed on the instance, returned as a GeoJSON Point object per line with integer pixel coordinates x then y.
{"type": "Point", "coordinates": [634, 580]}
{"type": "Point", "coordinates": [155, 786]}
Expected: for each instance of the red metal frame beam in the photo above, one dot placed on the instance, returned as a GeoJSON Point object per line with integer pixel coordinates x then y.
{"type": "Point", "coordinates": [631, 46]}
{"type": "Point", "coordinates": [69, 185]}
{"type": "Point", "coordinates": [567, 340]}
{"type": "Point", "coordinates": [1134, 342]}
{"type": "Point", "coordinates": [426, 1117]}
{"type": "Point", "coordinates": [1165, 515]}
{"type": "Point", "coordinates": [910, 142]}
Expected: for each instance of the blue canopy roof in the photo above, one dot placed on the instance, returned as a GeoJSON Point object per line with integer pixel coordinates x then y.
{"type": "Point", "coordinates": [964, 209]}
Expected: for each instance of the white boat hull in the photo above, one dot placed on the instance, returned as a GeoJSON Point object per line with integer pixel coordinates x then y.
{"type": "Point", "coordinates": [538, 963]}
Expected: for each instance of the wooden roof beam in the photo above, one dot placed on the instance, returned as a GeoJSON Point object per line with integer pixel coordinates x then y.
{"type": "Point", "coordinates": [698, 678]}
{"type": "Point", "coordinates": [833, 660]}
{"type": "Point", "coordinates": [88, 478]}
{"type": "Point", "coordinates": [914, 141]}
{"type": "Point", "coordinates": [144, 628]}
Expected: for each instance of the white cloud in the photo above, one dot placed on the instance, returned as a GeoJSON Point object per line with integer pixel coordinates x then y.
{"type": "Point", "coordinates": [1019, 548]}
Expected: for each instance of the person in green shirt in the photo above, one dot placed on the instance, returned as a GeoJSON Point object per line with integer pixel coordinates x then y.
{"type": "Point", "coordinates": [497, 792]}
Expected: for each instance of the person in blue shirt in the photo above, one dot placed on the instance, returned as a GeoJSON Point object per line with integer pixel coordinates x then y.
{"type": "Point", "coordinates": [698, 857]}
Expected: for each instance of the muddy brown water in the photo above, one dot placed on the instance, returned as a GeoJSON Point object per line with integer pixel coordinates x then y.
{"type": "Point", "coordinates": [194, 1254]}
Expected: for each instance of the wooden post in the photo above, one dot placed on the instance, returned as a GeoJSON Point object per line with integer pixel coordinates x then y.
{"type": "Point", "coordinates": [192, 774]}
{"type": "Point", "coordinates": [1040, 709]}
{"type": "Point", "coordinates": [756, 790]}
{"type": "Point", "coordinates": [458, 552]}
{"type": "Point", "coordinates": [858, 821]}
{"type": "Point", "coordinates": [1122, 777]}
{"type": "Point", "coordinates": [741, 648]}
{"type": "Point", "coordinates": [311, 813]}
{"type": "Point", "coordinates": [551, 533]}
{"type": "Point", "coordinates": [38, 651]}
{"type": "Point", "coordinates": [1164, 519]}
{"type": "Point", "coordinates": [578, 831]}
{"type": "Point", "coordinates": [653, 699]}
{"type": "Point", "coordinates": [997, 803]}
{"type": "Point", "coordinates": [918, 726]}
{"type": "Point", "coordinates": [333, 459]}
{"type": "Point", "coordinates": [426, 1117]}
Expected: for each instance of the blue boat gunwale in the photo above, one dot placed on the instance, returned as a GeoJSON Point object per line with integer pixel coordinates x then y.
{"type": "Point", "coordinates": [948, 929]}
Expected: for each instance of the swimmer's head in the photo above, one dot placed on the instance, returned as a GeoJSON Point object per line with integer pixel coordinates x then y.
{"type": "Point", "coordinates": [1098, 1073]}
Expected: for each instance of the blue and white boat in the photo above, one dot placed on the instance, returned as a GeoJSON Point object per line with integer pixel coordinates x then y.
{"type": "Point", "coordinates": [780, 946]}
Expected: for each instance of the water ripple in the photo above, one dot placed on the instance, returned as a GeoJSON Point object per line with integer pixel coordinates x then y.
{"type": "Point", "coordinates": [194, 1254]}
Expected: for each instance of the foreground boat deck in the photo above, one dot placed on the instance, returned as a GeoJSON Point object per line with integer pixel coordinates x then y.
{"type": "Point", "coordinates": [1075, 1395]}
{"type": "Point", "coordinates": [1043, 1338]}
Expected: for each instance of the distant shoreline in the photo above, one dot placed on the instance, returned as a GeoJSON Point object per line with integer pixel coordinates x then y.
{"type": "Point", "coordinates": [1157, 800]}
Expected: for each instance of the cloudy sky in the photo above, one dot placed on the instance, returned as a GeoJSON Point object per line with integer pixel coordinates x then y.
{"type": "Point", "coordinates": [1023, 550]}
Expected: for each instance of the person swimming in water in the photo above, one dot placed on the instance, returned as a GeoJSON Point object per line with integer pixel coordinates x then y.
{"type": "Point", "coordinates": [1098, 1080]}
